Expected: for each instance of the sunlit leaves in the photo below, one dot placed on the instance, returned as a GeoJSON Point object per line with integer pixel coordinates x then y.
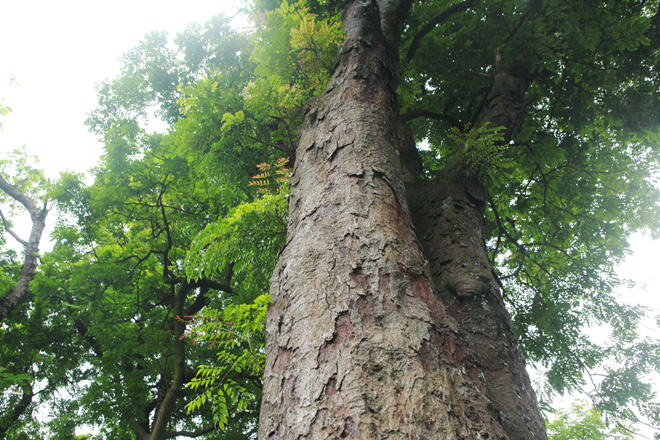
{"type": "Point", "coordinates": [294, 54]}
{"type": "Point", "coordinates": [583, 422]}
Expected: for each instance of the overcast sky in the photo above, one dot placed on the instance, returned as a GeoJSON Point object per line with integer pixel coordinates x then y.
{"type": "Point", "coordinates": [58, 50]}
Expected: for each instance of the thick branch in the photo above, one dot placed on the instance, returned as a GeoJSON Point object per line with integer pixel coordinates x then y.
{"type": "Point", "coordinates": [83, 331]}
{"type": "Point", "coordinates": [200, 302]}
{"type": "Point", "coordinates": [280, 145]}
{"type": "Point", "coordinates": [392, 14]}
{"type": "Point", "coordinates": [428, 27]}
{"type": "Point", "coordinates": [31, 261]}
{"type": "Point", "coordinates": [164, 413]}
{"type": "Point", "coordinates": [532, 6]}
{"type": "Point", "coordinates": [17, 195]}
{"type": "Point", "coordinates": [139, 431]}
{"type": "Point", "coordinates": [23, 404]}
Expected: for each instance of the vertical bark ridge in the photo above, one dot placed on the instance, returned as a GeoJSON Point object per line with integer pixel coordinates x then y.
{"type": "Point", "coordinates": [448, 214]}
{"type": "Point", "coordinates": [358, 344]}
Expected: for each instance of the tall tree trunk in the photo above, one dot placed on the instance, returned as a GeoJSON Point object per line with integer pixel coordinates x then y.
{"type": "Point", "coordinates": [359, 342]}
{"type": "Point", "coordinates": [448, 216]}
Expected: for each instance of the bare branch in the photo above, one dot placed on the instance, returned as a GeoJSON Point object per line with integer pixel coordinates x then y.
{"type": "Point", "coordinates": [11, 232]}
{"type": "Point", "coordinates": [13, 192]}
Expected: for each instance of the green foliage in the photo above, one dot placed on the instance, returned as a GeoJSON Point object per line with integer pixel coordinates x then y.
{"type": "Point", "coordinates": [21, 170]}
{"type": "Point", "coordinates": [478, 151]}
{"type": "Point", "coordinates": [294, 51]}
{"type": "Point", "coordinates": [108, 291]}
{"type": "Point", "coordinates": [580, 176]}
{"type": "Point", "coordinates": [4, 111]}
{"type": "Point", "coordinates": [236, 333]}
{"type": "Point", "coordinates": [249, 238]}
{"type": "Point", "coordinates": [583, 422]}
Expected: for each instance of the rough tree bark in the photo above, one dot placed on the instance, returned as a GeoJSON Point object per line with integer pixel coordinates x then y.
{"type": "Point", "coordinates": [365, 338]}
{"type": "Point", "coordinates": [31, 260]}
{"type": "Point", "coordinates": [448, 215]}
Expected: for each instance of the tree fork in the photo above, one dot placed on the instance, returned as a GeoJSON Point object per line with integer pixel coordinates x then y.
{"type": "Point", "coordinates": [358, 342]}
{"type": "Point", "coordinates": [38, 216]}
{"type": "Point", "coordinates": [448, 214]}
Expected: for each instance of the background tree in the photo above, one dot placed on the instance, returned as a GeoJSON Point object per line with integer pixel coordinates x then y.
{"type": "Point", "coordinates": [583, 422]}
{"type": "Point", "coordinates": [24, 195]}
{"type": "Point", "coordinates": [26, 186]}
{"type": "Point", "coordinates": [114, 285]}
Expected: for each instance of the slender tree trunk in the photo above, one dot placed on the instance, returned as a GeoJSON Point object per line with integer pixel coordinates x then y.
{"type": "Point", "coordinates": [18, 410]}
{"type": "Point", "coordinates": [164, 411]}
{"type": "Point", "coordinates": [31, 261]}
{"type": "Point", "coordinates": [360, 343]}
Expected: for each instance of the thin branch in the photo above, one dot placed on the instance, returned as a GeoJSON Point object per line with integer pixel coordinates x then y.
{"type": "Point", "coordinates": [420, 113]}
{"type": "Point", "coordinates": [11, 232]}
{"type": "Point", "coordinates": [428, 27]}
{"type": "Point", "coordinates": [525, 16]}
{"type": "Point", "coordinates": [191, 434]}
{"type": "Point", "coordinates": [514, 241]}
{"type": "Point", "coordinates": [268, 144]}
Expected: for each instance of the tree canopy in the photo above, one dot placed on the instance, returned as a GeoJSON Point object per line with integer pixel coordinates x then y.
{"type": "Point", "coordinates": [145, 318]}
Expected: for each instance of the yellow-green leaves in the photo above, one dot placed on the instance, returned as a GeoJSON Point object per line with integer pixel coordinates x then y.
{"type": "Point", "coordinates": [479, 151]}
{"type": "Point", "coordinates": [248, 237]}
{"type": "Point", "coordinates": [229, 120]}
{"type": "Point", "coordinates": [294, 54]}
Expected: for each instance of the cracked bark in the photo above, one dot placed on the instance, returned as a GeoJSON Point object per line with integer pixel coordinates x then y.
{"type": "Point", "coordinates": [359, 342]}
{"type": "Point", "coordinates": [449, 219]}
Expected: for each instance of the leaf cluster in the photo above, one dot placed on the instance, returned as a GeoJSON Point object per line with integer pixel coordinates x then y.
{"type": "Point", "coordinates": [236, 333]}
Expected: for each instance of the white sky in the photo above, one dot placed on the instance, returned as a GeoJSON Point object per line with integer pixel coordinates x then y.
{"type": "Point", "coordinates": [58, 50]}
